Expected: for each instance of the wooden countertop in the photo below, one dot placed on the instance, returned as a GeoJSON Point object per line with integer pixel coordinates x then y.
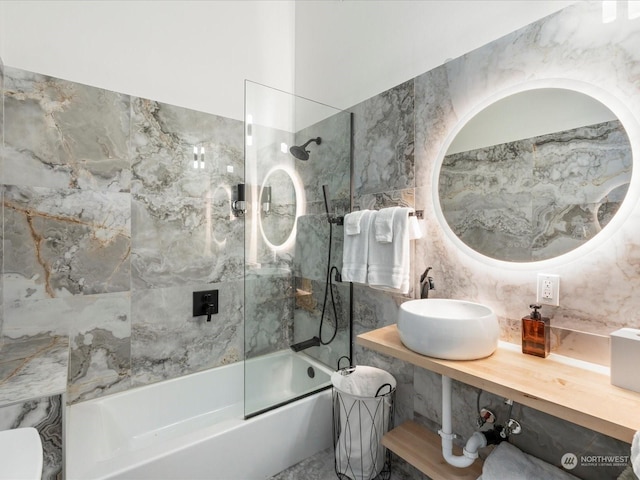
{"type": "Point", "coordinates": [555, 385]}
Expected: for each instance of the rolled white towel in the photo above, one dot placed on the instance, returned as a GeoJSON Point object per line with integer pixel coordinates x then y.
{"type": "Point", "coordinates": [509, 462]}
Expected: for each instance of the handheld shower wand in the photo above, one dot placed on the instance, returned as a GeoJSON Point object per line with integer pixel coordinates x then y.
{"type": "Point", "coordinates": [328, 209]}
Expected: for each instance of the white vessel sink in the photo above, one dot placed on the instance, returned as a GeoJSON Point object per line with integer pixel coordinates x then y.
{"type": "Point", "coordinates": [448, 329]}
{"type": "Point", "coordinates": [21, 454]}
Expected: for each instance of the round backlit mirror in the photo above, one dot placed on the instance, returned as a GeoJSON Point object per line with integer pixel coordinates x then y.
{"type": "Point", "coordinates": [535, 175]}
{"type": "Point", "coordinates": [278, 207]}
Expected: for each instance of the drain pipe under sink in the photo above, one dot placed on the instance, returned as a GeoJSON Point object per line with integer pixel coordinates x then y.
{"type": "Point", "coordinates": [476, 441]}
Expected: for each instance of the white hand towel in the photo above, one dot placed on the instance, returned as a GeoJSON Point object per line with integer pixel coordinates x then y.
{"type": "Point", "coordinates": [352, 222]}
{"type": "Point", "coordinates": [384, 224]}
{"type": "Point", "coordinates": [635, 454]}
{"type": "Point", "coordinates": [389, 263]}
{"type": "Point", "coordinates": [355, 251]}
{"type": "Point", "coordinates": [415, 231]}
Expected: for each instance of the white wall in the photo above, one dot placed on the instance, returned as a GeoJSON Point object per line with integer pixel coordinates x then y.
{"type": "Point", "coordinates": [348, 51]}
{"type": "Point", "coordinates": [194, 54]}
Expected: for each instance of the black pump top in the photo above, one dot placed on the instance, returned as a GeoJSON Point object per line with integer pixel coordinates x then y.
{"type": "Point", "coordinates": [535, 314]}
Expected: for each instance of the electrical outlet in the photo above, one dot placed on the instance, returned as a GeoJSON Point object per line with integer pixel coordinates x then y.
{"type": "Point", "coordinates": [549, 289]}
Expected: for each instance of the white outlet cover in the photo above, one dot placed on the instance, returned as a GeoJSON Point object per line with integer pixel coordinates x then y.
{"type": "Point", "coordinates": [548, 292]}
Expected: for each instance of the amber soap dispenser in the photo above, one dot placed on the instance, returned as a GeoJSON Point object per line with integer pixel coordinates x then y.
{"type": "Point", "coordinates": [536, 333]}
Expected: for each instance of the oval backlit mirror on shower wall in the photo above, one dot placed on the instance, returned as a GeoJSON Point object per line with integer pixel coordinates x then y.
{"type": "Point", "coordinates": [535, 175]}
{"type": "Point", "coordinates": [278, 207]}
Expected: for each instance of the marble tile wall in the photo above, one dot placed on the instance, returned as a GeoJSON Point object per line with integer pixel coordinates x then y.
{"type": "Point", "coordinates": [553, 52]}
{"type": "Point", "coordinates": [386, 119]}
{"type": "Point", "coordinates": [1, 182]}
{"type": "Point", "coordinates": [550, 52]}
{"type": "Point", "coordinates": [269, 311]}
{"type": "Point", "coordinates": [269, 295]}
{"type": "Point", "coordinates": [108, 229]}
{"type": "Point", "coordinates": [45, 415]}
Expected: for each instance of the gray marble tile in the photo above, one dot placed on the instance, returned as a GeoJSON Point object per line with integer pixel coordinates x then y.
{"type": "Point", "coordinates": [2, 168]}
{"type": "Point", "coordinates": [45, 415]}
{"type": "Point", "coordinates": [28, 320]}
{"type": "Point", "coordinates": [32, 367]}
{"type": "Point", "coordinates": [269, 304]}
{"type": "Point", "coordinates": [61, 134]}
{"type": "Point", "coordinates": [329, 163]}
{"type": "Point", "coordinates": [2, 257]}
{"type": "Point", "coordinates": [65, 242]}
{"type": "Point", "coordinates": [99, 347]}
{"type": "Point", "coordinates": [435, 117]}
{"type": "Point", "coordinates": [183, 228]}
{"type": "Point", "coordinates": [184, 240]}
{"type": "Point", "coordinates": [383, 139]}
{"type": "Point", "coordinates": [552, 52]}
{"type": "Point", "coordinates": [312, 246]}
{"type": "Point", "coordinates": [163, 141]}
{"type": "Point", "coordinates": [308, 315]}
{"type": "Point", "coordinates": [167, 341]}
{"type": "Point", "coordinates": [374, 309]}
{"type": "Point", "coordinates": [318, 467]}
{"type": "Point", "coordinates": [321, 466]}
{"type": "Point", "coordinates": [385, 199]}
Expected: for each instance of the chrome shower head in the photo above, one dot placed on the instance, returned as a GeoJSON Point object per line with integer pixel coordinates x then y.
{"type": "Point", "coordinates": [301, 152]}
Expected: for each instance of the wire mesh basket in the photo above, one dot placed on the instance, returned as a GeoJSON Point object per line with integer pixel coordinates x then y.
{"type": "Point", "coordinates": [363, 399]}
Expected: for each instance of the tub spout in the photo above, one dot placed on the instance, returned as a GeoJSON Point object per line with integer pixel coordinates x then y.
{"type": "Point", "coordinates": [312, 342]}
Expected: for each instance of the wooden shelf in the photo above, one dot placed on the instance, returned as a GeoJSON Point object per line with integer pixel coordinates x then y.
{"type": "Point", "coordinates": [551, 384]}
{"type": "Point", "coordinates": [422, 449]}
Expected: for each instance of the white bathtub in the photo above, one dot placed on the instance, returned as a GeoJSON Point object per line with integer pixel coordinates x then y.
{"type": "Point", "coordinates": [193, 427]}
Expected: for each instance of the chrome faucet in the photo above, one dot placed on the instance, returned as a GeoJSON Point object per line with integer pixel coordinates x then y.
{"type": "Point", "coordinates": [426, 283]}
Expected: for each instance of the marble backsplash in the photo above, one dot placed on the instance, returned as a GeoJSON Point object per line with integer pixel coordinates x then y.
{"type": "Point", "coordinates": [552, 53]}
